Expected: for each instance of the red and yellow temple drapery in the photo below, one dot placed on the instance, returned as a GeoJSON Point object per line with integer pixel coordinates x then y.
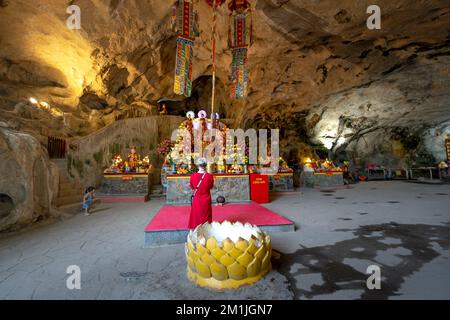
{"type": "Point", "coordinates": [239, 40]}
{"type": "Point", "coordinates": [185, 24]}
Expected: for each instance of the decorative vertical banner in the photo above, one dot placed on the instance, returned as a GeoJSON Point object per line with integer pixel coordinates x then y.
{"type": "Point", "coordinates": [185, 24]}
{"type": "Point", "coordinates": [447, 147]}
{"type": "Point", "coordinates": [239, 40]}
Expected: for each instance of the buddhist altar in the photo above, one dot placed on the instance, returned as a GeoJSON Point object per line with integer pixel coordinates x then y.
{"type": "Point", "coordinates": [126, 180]}
{"type": "Point", "coordinates": [322, 174]}
{"type": "Point", "coordinates": [231, 172]}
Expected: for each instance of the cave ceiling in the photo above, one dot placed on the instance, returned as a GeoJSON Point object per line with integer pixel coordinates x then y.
{"type": "Point", "coordinates": [312, 63]}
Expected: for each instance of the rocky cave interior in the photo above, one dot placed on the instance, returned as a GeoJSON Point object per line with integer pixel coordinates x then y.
{"type": "Point", "coordinates": [316, 72]}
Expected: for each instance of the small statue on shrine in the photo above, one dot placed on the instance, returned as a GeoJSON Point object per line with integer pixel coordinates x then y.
{"type": "Point", "coordinates": [189, 122]}
{"type": "Point", "coordinates": [117, 165]}
{"type": "Point", "coordinates": [163, 112]}
{"type": "Point", "coordinates": [326, 165]}
{"type": "Point", "coordinates": [202, 117]}
{"type": "Point", "coordinates": [217, 124]}
{"type": "Point", "coordinates": [133, 159]}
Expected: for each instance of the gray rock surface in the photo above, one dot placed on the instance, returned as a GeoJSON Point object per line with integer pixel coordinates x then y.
{"type": "Point", "coordinates": [28, 180]}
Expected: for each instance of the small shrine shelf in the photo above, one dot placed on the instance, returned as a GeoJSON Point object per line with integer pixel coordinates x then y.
{"type": "Point", "coordinates": [323, 179]}
{"type": "Point", "coordinates": [124, 187]}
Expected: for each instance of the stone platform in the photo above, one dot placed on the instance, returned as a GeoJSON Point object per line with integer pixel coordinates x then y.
{"type": "Point", "coordinates": [124, 188]}
{"type": "Point", "coordinates": [169, 226]}
{"type": "Point", "coordinates": [323, 179]}
{"type": "Point", "coordinates": [281, 182]}
{"type": "Point", "coordinates": [234, 187]}
{"type": "Point", "coordinates": [125, 198]}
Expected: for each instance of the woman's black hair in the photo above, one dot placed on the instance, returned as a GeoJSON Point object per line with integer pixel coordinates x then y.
{"type": "Point", "coordinates": [89, 189]}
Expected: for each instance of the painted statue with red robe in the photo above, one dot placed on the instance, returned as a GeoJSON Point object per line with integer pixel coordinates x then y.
{"type": "Point", "coordinates": [201, 210]}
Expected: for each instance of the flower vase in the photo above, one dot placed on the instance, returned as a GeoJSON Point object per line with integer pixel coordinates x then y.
{"type": "Point", "coordinates": [245, 168]}
{"type": "Point", "coordinates": [174, 169]}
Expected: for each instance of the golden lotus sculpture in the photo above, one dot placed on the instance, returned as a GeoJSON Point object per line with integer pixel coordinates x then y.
{"type": "Point", "coordinates": [227, 255]}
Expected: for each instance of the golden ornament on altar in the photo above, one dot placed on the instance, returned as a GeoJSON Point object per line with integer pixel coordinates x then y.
{"type": "Point", "coordinates": [133, 158]}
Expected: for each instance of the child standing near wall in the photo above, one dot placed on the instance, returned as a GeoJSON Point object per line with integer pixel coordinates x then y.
{"type": "Point", "coordinates": [88, 199]}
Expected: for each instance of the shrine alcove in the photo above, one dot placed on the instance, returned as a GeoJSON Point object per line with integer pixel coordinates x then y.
{"type": "Point", "coordinates": [6, 205]}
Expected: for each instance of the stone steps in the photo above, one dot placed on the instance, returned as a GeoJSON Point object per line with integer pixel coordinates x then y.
{"type": "Point", "coordinates": [157, 192]}
{"type": "Point", "coordinates": [69, 188]}
{"type": "Point", "coordinates": [70, 192]}
{"type": "Point", "coordinates": [131, 198]}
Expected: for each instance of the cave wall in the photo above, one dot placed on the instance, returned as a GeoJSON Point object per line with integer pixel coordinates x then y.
{"type": "Point", "coordinates": [433, 138]}
{"type": "Point", "coordinates": [385, 121]}
{"type": "Point", "coordinates": [28, 183]}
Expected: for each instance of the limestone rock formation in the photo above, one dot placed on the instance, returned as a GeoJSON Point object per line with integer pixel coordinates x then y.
{"type": "Point", "coordinates": [29, 181]}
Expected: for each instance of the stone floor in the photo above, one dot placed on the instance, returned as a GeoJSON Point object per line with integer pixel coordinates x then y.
{"type": "Point", "coordinates": [402, 227]}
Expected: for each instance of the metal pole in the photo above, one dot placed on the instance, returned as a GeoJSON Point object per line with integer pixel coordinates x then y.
{"type": "Point", "coordinates": [213, 57]}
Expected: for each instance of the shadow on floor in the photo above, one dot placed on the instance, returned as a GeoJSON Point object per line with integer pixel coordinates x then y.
{"type": "Point", "coordinates": [399, 250]}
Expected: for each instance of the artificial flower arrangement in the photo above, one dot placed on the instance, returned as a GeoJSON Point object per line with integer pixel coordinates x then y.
{"type": "Point", "coordinates": [164, 147]}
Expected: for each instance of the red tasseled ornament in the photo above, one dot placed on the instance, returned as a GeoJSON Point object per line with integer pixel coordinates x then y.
{"type": "Point", "coordinates": [238, 5]}
{"type": "Point", "coordinates": [218, 2]}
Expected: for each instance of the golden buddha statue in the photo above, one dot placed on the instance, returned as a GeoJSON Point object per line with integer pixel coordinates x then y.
{"type": "Point", "coordinates": [133, 159]}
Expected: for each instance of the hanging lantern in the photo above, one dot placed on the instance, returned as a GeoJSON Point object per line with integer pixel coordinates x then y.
{"type": "Point", "coordinates": [185, 24]}
{"type": "Point", "coordinates": [239, 40]}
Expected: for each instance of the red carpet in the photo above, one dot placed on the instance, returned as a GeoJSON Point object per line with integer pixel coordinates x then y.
{"type": "Point", "coordinates": [176, 217]}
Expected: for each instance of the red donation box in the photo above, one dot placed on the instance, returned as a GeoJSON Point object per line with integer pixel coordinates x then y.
{"type": "Point", "coordinates": [259, 188]}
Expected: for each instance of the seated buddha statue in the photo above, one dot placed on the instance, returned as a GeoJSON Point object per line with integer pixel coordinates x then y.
{"type": "Point", "coordinates": [133, 159]}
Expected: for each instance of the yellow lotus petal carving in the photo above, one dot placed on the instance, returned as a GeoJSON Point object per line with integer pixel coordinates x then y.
{"type": "Point", "coordinates": [245, 259]}
{"type": "Point", "coordinates": [227, 255]}
{"type": "Point", "coordinates": [219, 271]}
{"type": "Point", "coordinates": [265, 265]}
{"type": "Point", "coordinates": [235, 253]}
{"type": "Point", "coordinates": [260, 253]}
{"type": "Point", "coordinates": [254, 268]}
{"type": "Point", "coordinates": [190, 246]}
{"type": "Point", "coordinates": [193, 255]}
{"type": "Point", "coordinates": [211, 244]}
{"type": "Point", "coordinates": [227, 245]}
{"type": "Point", "coordinates": [208, 259]}
{"type": "Point", "coordinates": [227, 260]}
{"type": "Point", "coordinates": [236, 271]}
{"type": "Point", "coordinates": [252, 248]}
{"type": "Point", "coordinates": [201, 249]}
{"type": "Point", "coordinates": [218, 253]}
{"type": "Point", "coordinates": [242, 244]}
{"type": "Point", "coordinates": [202, 269]}
{"type": "Point", "coordinates": [191, 263]}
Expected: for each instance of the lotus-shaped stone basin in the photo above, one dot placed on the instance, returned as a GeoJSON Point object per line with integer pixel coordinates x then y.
{"type": "Point", "coordinates": [227, 255]}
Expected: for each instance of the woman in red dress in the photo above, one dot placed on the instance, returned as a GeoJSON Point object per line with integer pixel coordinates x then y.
{"type": "Point", "coordinates": [201, 210]}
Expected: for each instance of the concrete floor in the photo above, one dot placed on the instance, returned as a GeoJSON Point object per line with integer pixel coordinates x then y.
{"type": "Point", "coordinates": [402, 227]}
